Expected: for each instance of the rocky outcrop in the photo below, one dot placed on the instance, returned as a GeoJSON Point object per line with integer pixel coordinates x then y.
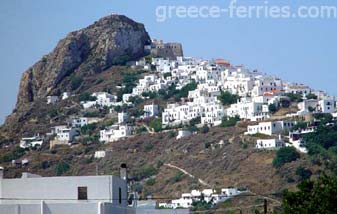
{"type": "Point", "coordinates": [112, 40]}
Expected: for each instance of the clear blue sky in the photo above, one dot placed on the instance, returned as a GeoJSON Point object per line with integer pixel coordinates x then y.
{"type": "Point", "coordinates": [301, 50]}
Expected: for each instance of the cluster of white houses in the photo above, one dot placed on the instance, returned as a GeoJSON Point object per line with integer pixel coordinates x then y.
{"type": "Point", "coordinates": [257, 92]}
{"type": "Point", "coordinates": [208, 195]}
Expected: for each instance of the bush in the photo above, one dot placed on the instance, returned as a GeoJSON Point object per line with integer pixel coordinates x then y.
{"type": "Point", "coordinates": [195, 121]}
{"type": "Point", "coordinates": [229, 121]}
{"type": "Point", "coordinates": [87, 97]}
{"type": "Point", "coordinates": [76, 82]}
{"type": "Point", "coordinates": [156, 124]}
{"type": "Point", "coordinates": [201, 205]}
{"type": "Point", "coordinates": [204, 129]}
{"type": "Point", "coordinates": [294, 97]}
{"type": "Point", "coordinates": [145, 172]}
{"type": "Point", "coordinates": [285, 155]}
{"type": "Point", "coordinates": [303, 172]}
{"type": "Point", "coordinates": [62, 168]}
{"type": "Point", "coordinates": [88, 129]}
{"type": "Point", "coordinates": [16, 153]}
{"type": "Point", "coordinates": [150, 182]}
{"type": "Point", "coordinates": [178, 177]}
{"type": "Point", "coordinates": [272, 108]}
{"type": "Point", "coordinates": [227, 98]}
{"type": "Point", "coordinates": [148, 147]}
{"type": "Point", "coordinates": [311, 96]}
{"type": "Point", "coordinates": [171, 135]}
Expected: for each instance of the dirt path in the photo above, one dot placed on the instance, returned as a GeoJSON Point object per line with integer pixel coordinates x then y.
{"type": "Point", "coordinates": [186, 173]}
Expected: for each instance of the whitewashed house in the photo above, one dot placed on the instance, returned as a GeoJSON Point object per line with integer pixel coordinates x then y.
{"type": "Point", "coordinates": [79, 122]}
{"type": "Point", "coordinates": [270, 128]}
{"type": "Point", "coordinates": [269, 143]}
{"type": "Point", "coordinates": [245, 108]}
{"type": "Point", "coordinates": [66, 95]}
{"type": "Point", "coordinates": [183, 133]}
{"type": "Point", "coordinates": [115, 133]}
{"type": "Point", "coordinates": [151, 110]}
{"type": "Point", "coordinates": [102, 154]}
{"type": "Point", "coordinates": [52, 99]}
{"type": "Point", "coordinates": [103, 99]}
{"type": "Point", "coordinates": [122, 117]}
{"type": "Point", "coordinates": [295, 88]}
{"type": "Point", "coordinates": [29, 142]}
{"type": "Point", "coordinates": [266, 84]}
{"type": "Point", "coordinates": [327, 105]}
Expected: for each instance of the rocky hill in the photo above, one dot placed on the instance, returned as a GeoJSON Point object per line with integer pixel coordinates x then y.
{"type": "Point", "coordinates": [112, 40]}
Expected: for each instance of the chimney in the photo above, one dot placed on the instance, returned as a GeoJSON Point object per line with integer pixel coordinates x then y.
{"type": "Point", "coordinates": [123, 172]}
{"type": "Point", "coordinates": [1, 172]}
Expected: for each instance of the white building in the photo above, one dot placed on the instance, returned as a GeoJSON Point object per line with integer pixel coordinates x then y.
{"type": "Point", "coordinates": [115, 133]}
{"type": "Point", "coordinates": [102, 154]}
{"type": "Point", "coordinates": [52, 99]}
{"type": "Point", "coordinates": [326, 105]}
{"type": "Point", "coordinates": [209, 195]}
{"type": "Point", "coordinates": [103, 99]}
{"type": "Point", "coordinates": [270, 128]}
{"type": "Point", "coordinates": [79, 122]}
{"type": "Point", "coordinates": [150, 110]}
{"type": "Point", "coordinates": [66, 95]}
{"type": "Point", "coordinates": [269, 143]}
{"type": "Point", "coordinates": [33, 194]}
{"type": "Point", "coordinates": [31, 142]}
{"type": "Point", "coordinates": [67, 135]}
{"type": "Point", "coordinates": [183, 133]}
{"type": "Point", "coordinates": [122, 117]}
{"type": "Point", "coordinates": [245, 108]}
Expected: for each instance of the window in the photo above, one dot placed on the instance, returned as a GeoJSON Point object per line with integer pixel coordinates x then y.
{"type": "Point", "coordinates": [120, 195]}
{"type": "Point", "coordinates": [82, 193]}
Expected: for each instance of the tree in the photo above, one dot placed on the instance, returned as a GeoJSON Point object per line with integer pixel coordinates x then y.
{"type": "Point", "coordinates": [311, 96]}
{"type": "Point", "coordinates": [285, 155]}
{"type": "Point", "coordinates": [317, 197]}
{"type": "Point", "coordinates": [272, 108]}
{"type": "Point", "coordinates": [294, 97]}
{"type": "Point", "coordinates": [227, 98]}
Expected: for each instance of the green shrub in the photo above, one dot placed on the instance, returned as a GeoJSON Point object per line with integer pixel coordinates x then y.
{"type": "Point", "coordinates": [229, 121]}
{"type": "Point", "coordinates": [294, 97]}
{"type": "Point", "coordinates": [272, 108]}
{"type": "Point", "coordinates": [303, 172]}
{"type": "Point", "coordinates": [62, 168]}
{"type": "Point", "coordinates": [204, 129]}
{"type": "Point", "coordinates": [76, 82]}
{"type": "Point", "coordinates": [87, 97]}
{"type": "Point", "coordinates": [148, 147]}
{"type": "Point", "coordinates": [150, 182]}
{"type": "Point", "coordinates": [145, 171]}
{"type": "Point", "coordinates": [311, 96]}
{"type": "Point", "coordinates": [178, 177]}
{"type": "Point", "coordinates": [156, 124]}
{"type": "Point", "coordinates": [285, 155]}
{"type": "Point", "coordinates": [14, 154]}
{"type": "Point", "coordinates": [227, 98]}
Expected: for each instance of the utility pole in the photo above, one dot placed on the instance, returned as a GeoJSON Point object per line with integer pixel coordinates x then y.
{"type": "Point", "coordinates": [265, 206]}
